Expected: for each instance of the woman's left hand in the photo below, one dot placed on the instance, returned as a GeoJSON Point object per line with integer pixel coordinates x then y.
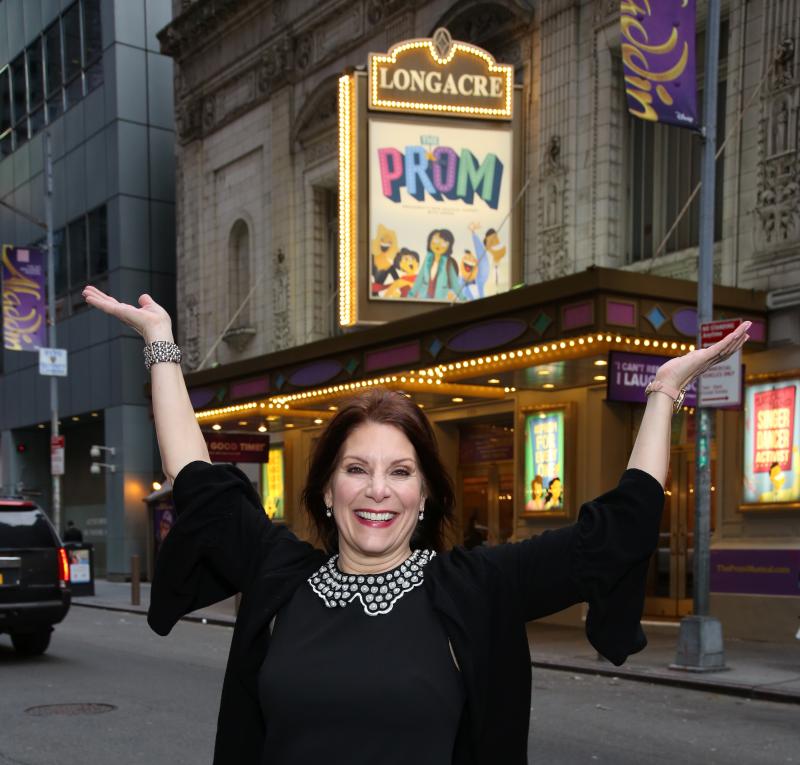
{"type": "Point", "coordinates": [679, 372]}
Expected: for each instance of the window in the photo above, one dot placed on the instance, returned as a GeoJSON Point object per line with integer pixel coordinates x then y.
{"type": "Point", "coordinates": [664, 165]}
{"type": "Point", "coordinates": [240, 272]}
{"type": "Point", "coordinates": [98, 242]}
{"type": "Point", "coordinates": [55, 71]}
{"type": "Point", "coordinates": [76, 245]}
{"type": "Point", "coordinates": [19, 105]}
{"type": "Point", "coordinates": [92, 44]}
{"type": "Point", "coordinates": [81, 256]}
{"type": "Point", "coordinates": [71, 27]}
{"type": "Point", "coordinates": [52, 52]}
{"type": "Point", "coordinates": [33, 57]}
{"type": "Point", "coordinates": [5, 113]}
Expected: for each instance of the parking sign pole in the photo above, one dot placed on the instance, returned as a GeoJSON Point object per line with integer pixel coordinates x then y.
{"type": "Point", "coordinates": [51, 312]}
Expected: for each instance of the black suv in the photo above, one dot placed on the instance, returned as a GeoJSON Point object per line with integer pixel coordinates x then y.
{"type": "Point", "coordinates": [34, 576]}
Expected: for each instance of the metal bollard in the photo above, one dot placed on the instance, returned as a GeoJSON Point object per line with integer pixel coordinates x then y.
{"type": "Point", "coordinates": [136, 576]}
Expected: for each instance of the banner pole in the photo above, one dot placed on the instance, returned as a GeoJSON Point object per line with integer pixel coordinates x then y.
{"type": "Point", "coordinates": [700, 645]}
{"type": "Point", "coordinates": [51, 312]}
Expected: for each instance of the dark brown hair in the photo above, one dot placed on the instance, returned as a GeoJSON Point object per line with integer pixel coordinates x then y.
{"type": "Point", "coordinates": [388, 408]}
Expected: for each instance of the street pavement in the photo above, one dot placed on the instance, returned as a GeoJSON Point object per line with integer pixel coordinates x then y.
{"type": "Point", "coordinates": [758, 670]}
{"type": "Point", "coordinates": [164, 693]}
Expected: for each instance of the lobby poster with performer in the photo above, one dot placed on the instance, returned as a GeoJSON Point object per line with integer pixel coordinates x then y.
{"type": "Point", "coordinates": [544, 461]}
{"type": "Point", "coordinates": [439, 193]}
{"type": "Point", "coordinates": [772, 443]}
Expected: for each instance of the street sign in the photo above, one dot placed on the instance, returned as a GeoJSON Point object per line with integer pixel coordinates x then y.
{"type": "Point", "coordinates": [57, 455]}
{"type": "Point", "coordinates": [53, 362]}
{"type": "Point", "coordinates": [721, 386]}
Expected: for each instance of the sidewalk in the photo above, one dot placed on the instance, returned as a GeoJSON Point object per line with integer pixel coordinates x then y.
{"type": "Point", "coordinates": [767, 671]}
{"type": "Point", "coordinates": [116, 596]}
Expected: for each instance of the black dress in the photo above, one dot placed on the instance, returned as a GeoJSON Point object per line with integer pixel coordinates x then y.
{"type": "Point", "coordinates": [341, 687]}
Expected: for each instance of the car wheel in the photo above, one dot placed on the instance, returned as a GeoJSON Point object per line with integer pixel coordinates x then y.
{"type": "Point", "coordinates": [31, 643]}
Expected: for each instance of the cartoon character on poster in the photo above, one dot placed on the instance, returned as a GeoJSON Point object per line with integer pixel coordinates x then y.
{"type": "Point", "coordinates": [772, 443]}
{"type": "Point", "coordinates": [544, 461]}
{"type": "Point", "coordinates": [439, 198]}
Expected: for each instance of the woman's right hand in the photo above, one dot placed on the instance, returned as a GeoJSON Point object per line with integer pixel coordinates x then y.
{"type": "Point", "coordinates": [151, 321]}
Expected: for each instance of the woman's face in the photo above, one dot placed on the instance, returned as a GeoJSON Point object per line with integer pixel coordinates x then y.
{"type": "Point", "coordinates": [555, 491]}
{"type": "Point", "coordinates": [438, 244]}
{"type": "Point", "coordinates": [537, 489]}
{"type": "Point", "coordinates": [376, 492]}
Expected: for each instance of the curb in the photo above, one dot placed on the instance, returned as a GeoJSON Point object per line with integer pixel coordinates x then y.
{"type": "Point", "coordinates": [729, 689]}
{"type": "Point", "coordinates": [131, 610]}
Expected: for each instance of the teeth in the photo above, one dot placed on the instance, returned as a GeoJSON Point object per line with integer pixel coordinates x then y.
{"type": "Point", "coordinates": [374, 516]}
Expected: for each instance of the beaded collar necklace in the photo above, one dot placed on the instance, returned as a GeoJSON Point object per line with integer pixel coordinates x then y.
{"type": "Point", "coordinates": [377, 592]}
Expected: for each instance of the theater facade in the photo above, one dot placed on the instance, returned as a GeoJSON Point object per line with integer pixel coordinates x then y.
{"type": "Point", "coordinates": [442, 201]}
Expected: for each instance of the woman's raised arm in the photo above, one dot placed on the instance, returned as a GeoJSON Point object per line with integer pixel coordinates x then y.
{"type": "Point", "coordinates": [652, 446]}
{"type": "Point", "coordinates": [179, 438]}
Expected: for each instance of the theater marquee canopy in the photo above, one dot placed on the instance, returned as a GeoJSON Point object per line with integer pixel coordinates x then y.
{"type": "Point", "coordinates": [428, 179]}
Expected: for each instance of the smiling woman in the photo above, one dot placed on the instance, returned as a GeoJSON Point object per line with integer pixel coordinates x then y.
{"type": "Point", "coordinates": [384, 647]}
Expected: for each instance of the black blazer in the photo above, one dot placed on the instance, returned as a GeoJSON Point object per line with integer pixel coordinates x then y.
{"type": "Point", "coordinates": [223, 543]}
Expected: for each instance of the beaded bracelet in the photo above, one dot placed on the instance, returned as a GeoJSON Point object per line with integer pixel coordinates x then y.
{"type": "Point", "coordinates": [161, 350]}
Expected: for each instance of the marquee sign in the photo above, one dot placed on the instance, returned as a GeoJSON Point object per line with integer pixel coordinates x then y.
{"type": "Point", "coordinates": [440, 76]}
{"type": "Point", "coordinates": [428, 175]}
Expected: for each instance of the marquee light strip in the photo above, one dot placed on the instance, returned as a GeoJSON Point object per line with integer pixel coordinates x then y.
{"type": "Point", "coordinates": [347, 208]}
{"type": "Point", "coordinates": [505, 70]}
{"type": "Point", "coordinates": [438, 378]}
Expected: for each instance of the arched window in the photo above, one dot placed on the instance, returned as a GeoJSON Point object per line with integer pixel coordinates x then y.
{"type": "Point", "coordinates": [239, 272]}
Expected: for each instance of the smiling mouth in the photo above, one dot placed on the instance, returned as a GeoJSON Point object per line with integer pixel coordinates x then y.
{"type": "Point", "coordinates": [375, 519]}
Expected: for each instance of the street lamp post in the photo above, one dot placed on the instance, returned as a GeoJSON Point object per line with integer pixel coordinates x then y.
{"type": "Point", "coordinates": [51, 311]}
{"type": "Point", "coordinates": [700, 645]}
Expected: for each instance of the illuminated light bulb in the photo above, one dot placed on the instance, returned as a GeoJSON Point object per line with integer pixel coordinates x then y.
{"type": "Point", "coordinates": [600, 363]}
{"type": "Point", "coordinates": [617, 339]}
{"type": "Point", "coordinates": [262, 428]}
{"type": "Point", "coordinates": [216, 426]}
{"type": "Point", "coordinates": [289, 425]}
{"type": "Point", "coordinates": [493, 380]}
{"type": "Point", "coordinates": [600, 378]}
{"type": "Point", "coordinates": [156, 486]}
{"type": "Point", "coordinates": [548, 385]}
{"type": "Point", "coordinates": [317, 421]}
{"type": "Point", "coordinates": [646, 343]}
{"type": "Point", "coordinates": [637, 341]}
{"type": "Point", "coordinates": [456, 399]}
{"type": "Point", "coordinates": [333, 408]}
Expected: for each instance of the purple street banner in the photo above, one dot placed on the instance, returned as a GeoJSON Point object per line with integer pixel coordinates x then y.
{"type": "Point", "coordinates": [629, 374]}
{"type": "Point", "coordinates": [658, 59]}
{"type": "Point", "coordinates": [24, 324]}
{"type": "Point", "coordinates": [756, 572]}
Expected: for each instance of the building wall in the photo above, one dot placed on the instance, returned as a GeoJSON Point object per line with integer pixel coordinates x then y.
{"type": "Point", "coordinates": [114, 147]}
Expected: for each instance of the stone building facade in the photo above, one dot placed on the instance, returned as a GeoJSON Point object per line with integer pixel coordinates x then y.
{"type": "Point", "coordinates": [256, 119]}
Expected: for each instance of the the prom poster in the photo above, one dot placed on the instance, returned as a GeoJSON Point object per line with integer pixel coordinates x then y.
{"type": "Point", "coordinates": [439, 204]}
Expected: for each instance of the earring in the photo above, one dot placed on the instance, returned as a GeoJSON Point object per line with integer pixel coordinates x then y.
{"type": "Point", "coordinates": [328, 511]}
{"type": "Point", "coordinates": [422, 511]}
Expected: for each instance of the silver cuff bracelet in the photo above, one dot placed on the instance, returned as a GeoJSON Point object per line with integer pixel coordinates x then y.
{"type": "Point", "coordinates": [161, 350]}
